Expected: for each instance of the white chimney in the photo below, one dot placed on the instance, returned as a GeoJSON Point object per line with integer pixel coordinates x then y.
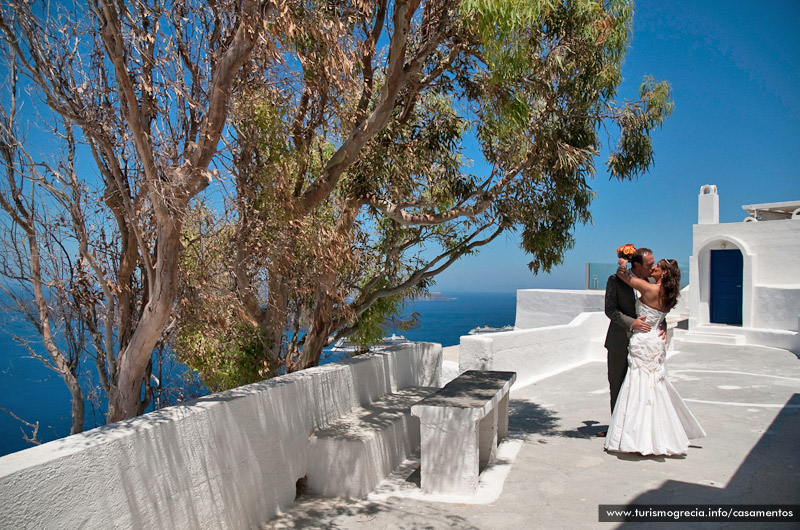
{"type": "Point", "coordinates": [708, 205]}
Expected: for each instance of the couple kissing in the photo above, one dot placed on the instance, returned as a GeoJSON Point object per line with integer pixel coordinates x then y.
{"type": "Point", "coordinates": [648, 415]}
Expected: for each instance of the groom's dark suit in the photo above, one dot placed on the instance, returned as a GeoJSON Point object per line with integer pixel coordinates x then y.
{"type": "Point", "coordinates": [621, 309]}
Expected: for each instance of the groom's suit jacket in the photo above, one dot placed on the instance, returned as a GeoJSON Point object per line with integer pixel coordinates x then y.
{"type": "Point", "coordinates": [621, 309]}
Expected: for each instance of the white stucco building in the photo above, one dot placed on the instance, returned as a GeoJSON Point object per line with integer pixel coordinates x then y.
{"type": "Point", "coordinates": [745, 276]}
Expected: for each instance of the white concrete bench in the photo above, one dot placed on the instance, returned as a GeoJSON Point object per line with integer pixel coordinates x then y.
{"type": "Point", "coordinates": [460, 427]}
{"type": "Point", "coordinates": [351, 455]}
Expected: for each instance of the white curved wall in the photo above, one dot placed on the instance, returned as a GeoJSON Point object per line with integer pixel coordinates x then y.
{"type": "Point", "coordinates": [229, 460]}
{"type": "Point", "coordinates": [537, 353]}
{"type": "Point", "coordinates": [538, 308]}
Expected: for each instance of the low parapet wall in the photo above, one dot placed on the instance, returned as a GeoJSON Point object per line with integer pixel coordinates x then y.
{"type": "Point", "coordinates": [228, 460]}
{"type": "Point", "coordinates": [538, 308]}
{"type": "Point", "coordinates": [537, 353]}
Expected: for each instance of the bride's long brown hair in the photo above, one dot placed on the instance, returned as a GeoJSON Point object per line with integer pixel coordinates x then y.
{"type": "Point", "coordinates": [670, 283]}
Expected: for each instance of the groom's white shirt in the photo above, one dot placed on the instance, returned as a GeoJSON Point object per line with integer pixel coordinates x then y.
{"type": "Point", "coordinates": [635, 292]}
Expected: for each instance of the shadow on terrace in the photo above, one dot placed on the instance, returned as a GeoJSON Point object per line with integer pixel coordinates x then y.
{"type": "Point", "coordinates": [769, 475]}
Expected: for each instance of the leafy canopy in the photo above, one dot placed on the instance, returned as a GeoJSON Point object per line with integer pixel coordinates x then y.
{"type": "Point", "coordinates": [354, 186]}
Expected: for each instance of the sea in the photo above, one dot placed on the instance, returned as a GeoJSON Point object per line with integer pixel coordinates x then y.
{"type": "Point", "coordinates": [34, 393]}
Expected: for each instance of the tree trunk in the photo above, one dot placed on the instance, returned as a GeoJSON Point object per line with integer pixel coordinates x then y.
{"type": "Point", "coordinates": [77, 402]}
{"type": "Point", "coordinates": [133, 360]}
{"type": "Point", "coordinates": [322, 321]}
{"type": "Point", "coordinates": [317, 333]}
{"type": "Point", "coordinates": [275, 318]}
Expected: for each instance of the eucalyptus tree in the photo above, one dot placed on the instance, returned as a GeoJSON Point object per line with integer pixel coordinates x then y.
{"type": "Point", "coordinates": [353, 181]}
{"type": "Point", "coordinates": [141, 91]}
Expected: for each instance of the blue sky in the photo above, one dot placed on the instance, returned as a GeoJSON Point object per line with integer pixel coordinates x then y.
{"type": "Point", "coordinates": [734, 68]}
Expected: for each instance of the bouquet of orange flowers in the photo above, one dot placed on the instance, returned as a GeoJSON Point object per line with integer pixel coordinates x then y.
{"type": "Point", "coordinates": [626, 251]}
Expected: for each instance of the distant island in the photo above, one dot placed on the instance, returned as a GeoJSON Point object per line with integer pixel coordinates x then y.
{"type": "Point", "coordinates": [434, 297]}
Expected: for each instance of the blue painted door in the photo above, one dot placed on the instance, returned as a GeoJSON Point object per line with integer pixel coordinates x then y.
{"type": "Point", "coordinates": [725, 306]}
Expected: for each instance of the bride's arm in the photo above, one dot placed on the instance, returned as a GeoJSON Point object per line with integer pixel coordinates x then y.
{"type": "Point", "coordinates": [637, 283]}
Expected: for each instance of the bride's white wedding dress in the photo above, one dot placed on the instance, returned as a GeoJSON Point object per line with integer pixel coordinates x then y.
{"type": "Point", "coordinates": [650, 417]}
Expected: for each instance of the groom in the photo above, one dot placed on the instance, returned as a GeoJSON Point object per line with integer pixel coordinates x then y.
{"type": "Point", "coordinates": [620, 308]}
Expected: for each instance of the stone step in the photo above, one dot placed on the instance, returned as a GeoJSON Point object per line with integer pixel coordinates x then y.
{"type": "Point", "coordinates": [711, 338]}
{"type": "Point", "coordinates": [678, 333]}
{"type": "Point", "coordinates": [350, 456]}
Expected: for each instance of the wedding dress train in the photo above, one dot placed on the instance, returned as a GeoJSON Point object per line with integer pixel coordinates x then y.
{"type": "Point", "coordinates": [650, 417]}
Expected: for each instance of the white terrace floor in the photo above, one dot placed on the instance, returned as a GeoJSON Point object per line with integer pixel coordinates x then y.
{"type": "Point", "coordinates": [746, 397]}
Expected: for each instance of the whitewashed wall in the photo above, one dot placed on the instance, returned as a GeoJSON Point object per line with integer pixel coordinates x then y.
{"type": "Point", "coordinates": [771, 288]}
{"type": "Point", "coordinates": [229, 460]}
{"type": "Point", "coordinates": [681, 309]}
{"type": "Point", "coordinates": [537, 353]}
{"type": "Point", "coordinates": [776, 307]}
{"type": "Point", "coordinates": [538, 308]}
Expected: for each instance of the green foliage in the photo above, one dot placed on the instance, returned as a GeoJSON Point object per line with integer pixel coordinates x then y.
{"type": "Point", "coordinates": [214, 337]}
{"type": "Point", "coordinates": [550, 71]}
{"type": "Point", "coordinates": [369, 328]}
{"type": "Point", "coordinates": [420, 155]}
{"type": "Point", "coordinates": [332, 248]}
{"type": "Point", "coordinates": [222, 360]}
{"type": "Point", "coordinates": [634, 152]}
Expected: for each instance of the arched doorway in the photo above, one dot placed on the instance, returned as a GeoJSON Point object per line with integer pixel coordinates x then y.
{"type": "Point", "coordinates": [726, 281]}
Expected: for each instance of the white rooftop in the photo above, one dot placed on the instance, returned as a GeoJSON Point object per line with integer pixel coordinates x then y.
{"type": "Point", "coordinates": [774, 210]}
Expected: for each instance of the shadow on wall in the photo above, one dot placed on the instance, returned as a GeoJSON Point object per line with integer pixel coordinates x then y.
{"type": "Point", "coordinates": [228, 460]}
{"type": "Point", "coordinates": [197, 462]}
{"type": "Point", "coordinates": [160, 465]}
{"type": "Point", "coordinates": [767, 476]}
{"type": "Point", "coordinates": [169, 454]}
{"type": "Point", "coordinates": [354, 453]}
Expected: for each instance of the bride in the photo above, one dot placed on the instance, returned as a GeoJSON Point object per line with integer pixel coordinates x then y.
{"type": "Point", "coordinates": [650, 417]}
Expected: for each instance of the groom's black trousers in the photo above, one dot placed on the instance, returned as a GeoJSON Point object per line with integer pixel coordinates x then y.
{"type": "Point", "coordinates": [617, 363]}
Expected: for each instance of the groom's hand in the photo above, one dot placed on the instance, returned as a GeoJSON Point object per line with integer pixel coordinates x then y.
{"type": "Point", "coordinates": [662, 330]}
{"type": "Point", "coordinates": [640, 325]}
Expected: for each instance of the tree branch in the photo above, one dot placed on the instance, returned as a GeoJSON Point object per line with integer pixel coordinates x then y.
{"type": "Point", "coordinates": [363, 302]}
{"type": "Point", "coordinates": [396, 75]}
